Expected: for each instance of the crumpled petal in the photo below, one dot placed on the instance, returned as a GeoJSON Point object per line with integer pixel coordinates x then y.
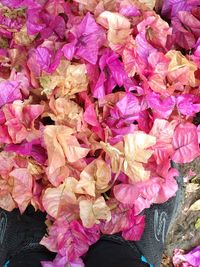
{"type": "Point", "coordinates": [136, 152]}
{"type": "Point", "coordinates": [61, 145]}
{"type": "Point", "coordinates": [181, 69]}
{"type": "Point", "coordinates": [91, 212]}
{"type": "Point", "coordinates": [95, 177]}
{"type": "Point", "coordinates": [61, 199]}
{"type": "Point", "coordinates": [118, 26]}
{"type": "Point", "coordinates": [69, 78]}
{"type": "Point", "coordinates": [22, 187]}
{"type": "Point", "coordinates": [70, 238]}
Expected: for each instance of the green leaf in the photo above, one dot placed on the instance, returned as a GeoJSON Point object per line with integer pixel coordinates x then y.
{"type": "Point", "coordinates": [197, 224]}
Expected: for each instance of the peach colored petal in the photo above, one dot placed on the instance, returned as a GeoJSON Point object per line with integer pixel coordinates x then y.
{"type": "Point", "coordinates": [92, 212]}
{"type": "Point", "coordinates": [181, 69]}
{"type": "Point", "coordinates": [6, 200]}
{"type": "Point", "coordinates": [58, 176]}
{"type": "Point", "coordinates": [68, 79]}
{"type": "Point", "coordinates": [67, 112]}
{"type": "Point", "coordinates": [56, 156]}
{"type": "Point", "coordinates": [148, 3]}
{"type": "Point", "coordinates": [57, 200]}
{"type": "Point", "coordinates": [72, 149]}
{"type": "Point", "coordinates": [22, 187]}
{"type": "Point", "coordinates": [136, 146]}
{"type": "Point", "coordinates": [118, 26]}
{"type": "Point", "coordinates": [86, 185]}
{"type": "Point", "coordinates": [116, 155]}
{"type": "Point", "coordinates": [95, 177]}
{"type": "Point", "coordinates": [163, 130]}
{"type": "Point", "coordinates": [102, 174]}
{"type": "Point", "coordinates": [136, 150]}
{"type": "Point", "coordinates": [88, 4]}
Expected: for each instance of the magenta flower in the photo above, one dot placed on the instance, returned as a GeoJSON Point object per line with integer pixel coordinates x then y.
{"type": "Point", "coordinates": [85, 40]}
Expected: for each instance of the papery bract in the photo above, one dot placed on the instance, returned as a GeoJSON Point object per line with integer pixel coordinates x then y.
{"type": "Point", "coordinates": [118, 26]}
{"type": "Point", "coordinates": [91, 212]}
{"type": "Point", "coordinates": [6, 200]}
{"type": "Point", "coordinates": [156, 29]}
{"type": "Point", "coordinates": [7, 163]}
{"type": "Point", "coordinates": [184, 37]}
{"type": "Point", "coordinates": [127, 9]}
{"type": "Point", "coordinates": [136, 231]}
{"type": "Point", "coordinates": [22, 187]}
{"type": "Point", "coordinates": [72, 237]}
{"type": "Point", "coordinates": [86, 40]}
{"type": "Point", "coordinates": [116, 155]}
{"type": "Point", "coordinates": [56, 156]}
{"type": "Point", "coordinates": [185, 142]}
{"type": "Point", "coordinates": [181, 69]}
{"type": "Point", "coordinates": [163, 130]}
{"type": "Point", "coordinates": [97, 99]}
{"type": "Point", "coordinates": [158, 68]}
{"type": "Point", "coordinates": [109, 64]}
{"type": "Point", "coordinates": [20, 120]}
{"type": "Point", "coordinates": [62, 144]}
{"type": "Point", "coordinates": [96, 176]}
{"type": "Point", "coordinates": [149, 4]}
{"type": "Point", "coordinates": [126, 193]}
{"type": "Point", "coordinates": [61, 199]}
{"type": "Point", "coordinates": [68, 78]}
{"type": "Point", "coordinates": [33, 149]}
{"type": "Point", "coordinates": [128, 105]}
{"type": "Point", "coordinates": [39, 60]}
{"type": "Point", "coordinates": [190, 27]}
{"type": "Point", "coordinates": [161, 107]}
{"type": "Point", "coordinates": [121, 219]}
{"type": "Point", "coordinates": [143, 194]}
{"type": "Point", "coordinates": [66, 112]}
{"type": "Point", "coordinates": [88, 4]}
{"type": "Point", "coordinates": [136, 152]}
{"type": "Point", "coordinates": [9, 92]}
{"type": "Point", "coordinates": [188, 104]}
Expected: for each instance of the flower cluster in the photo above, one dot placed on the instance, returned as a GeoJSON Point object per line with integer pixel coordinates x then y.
{"type": "Point", "coordinates": [96, 98]}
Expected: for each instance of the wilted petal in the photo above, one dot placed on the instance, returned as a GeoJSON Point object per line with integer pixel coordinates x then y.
{"type": "Point", "coordinates": [181, 69]}
{"type": "Point", "coordinates": [56, 156]}
{"type": "Point", "coordinates": [95, 176]}
{"type": "Point", "coordinates": [72, 149]}
{"type": "Point", "coordinates": [93, 211]}
{"type": "Point", "coordinates": [118, 26]}
{"type": "Point", "coordinates": [58, 200]}
{"type": "Point", "coordinates": [22, 187]}
{"type": "Point", "coordinates": [70, 238]}
{"type": "Point", "coordinates": [136, 149]}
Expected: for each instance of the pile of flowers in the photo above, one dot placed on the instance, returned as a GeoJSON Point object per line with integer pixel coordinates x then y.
{"type": "Point", "coordinates": [96, 98]}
